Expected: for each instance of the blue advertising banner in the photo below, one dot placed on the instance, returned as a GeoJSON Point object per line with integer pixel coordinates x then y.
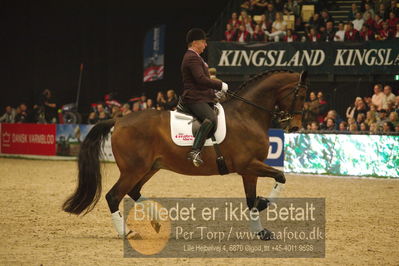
{"type": "Point", "coordinates": [154, 47]}
{"type": "Point", "coordinates": [275, 157]}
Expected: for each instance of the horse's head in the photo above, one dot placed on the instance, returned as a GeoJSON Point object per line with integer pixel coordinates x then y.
{"type": "Point", "coordinates": [292, 104]}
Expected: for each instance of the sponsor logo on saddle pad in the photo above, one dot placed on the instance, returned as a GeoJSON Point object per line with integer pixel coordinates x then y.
{"type": "Point", "coordinates": [181, 128]}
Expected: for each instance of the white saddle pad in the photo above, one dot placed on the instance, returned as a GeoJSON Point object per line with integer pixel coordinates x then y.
{"type": "Point", "coordinates": [181, 128]}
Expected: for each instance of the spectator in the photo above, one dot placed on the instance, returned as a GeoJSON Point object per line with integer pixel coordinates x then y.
{"type": "Point", "coordinates": [340, 34]}
{"type": "Point", "coordinates": [115, 112]}
{"type": "Point", "coordinates": [353, 128]}
{"type": "Point", "coordinates": [313, 35]}
{"type": "Point", "coordinates": [314, 22]}
{"type": "Point", "coordinates": [334, 116]}
{"type": "Point", "coordinates": [243, 15]}
{"type": "Point", "coordinates": [360, 119]}
{"type": "Point", "coordinates": [350, 111]}
{"type": "Point", "coordinates": [264, 23]}
{"type": "Point", "coordinates": [325, 17]}
{"type": "Point", "coordinates": [311, 108]}
{"type": "Point", "coordinates": [329, 33]}
{"type": "Point", "coordinates": [386, 33]}
{"type": "Point", "coordinates": [270, 13]}
{"type": "Point", "coordinates": [378, 21]}
{"type": "Point", "coordinates": [247, 6]}
{"type": "Point", "coordinates": [279, 5]}
{"type": "Point", "coordinates": [258, 35]}
{"type": "Point", "coordinates": [248, 25]}
{"type": "Point", "coordinates": [363, 127]}
{"type": "Point", "coordinates": [125, 109]}
{"type": "Point", "coordinates": [172, 100]}
{"type": "Point", "coordinates": [50, 107]}
{"type": "Point", "coordinates": [314, 126]}
{"type": "Point", "coordinates": [374, 128]}
{"type": "Point", "coordinates": [22, 115]}
{"type": "Point", "coordinates": [382, 12]}
{"type": "Point", "coordinates": [323, 109]}
{"type": "Point", "coordinates": [358, 21]}
{"type": "Point", "coordinates": [243, 35]}
{"type": "Point", "coordinates": [136, 107]}
{"type": "Point", "coordinates": [397, 128]}
{"type": "Point", "coordinates": [361, 108]}
{"type": "Point", "coordinates": [150, 104]}
{"type": "Point", "coordinates": [290, 36]}
{"type": "Point", "coordinates": [143, 102]}
{"type": "Point", "coordinates": [259, 6]}
{"type": "Point", "coordinates": [393, 118]}
{"type": "Point", "coordinates": [351, 34]}
{"type": "Point", "coordinates": [354, 9]}
{"type": "Point", "coordinates": [343, 126]}
{"type": "Point", "coordinates": [370, 118]}
{"type": "Point", "coordinates": [330, 124]}
{"type": "Point", "coordinates": [396, 105]}
{"type": "Point", "coordinates": [364, 3]}
{"type": "Point", "coordinates": [382, 118]}
{"type": "Point", "coordinates": [234, 22]}
{"type": "Point", "coordinates": [160, 100]}
{"type": "Point", "coordinates": [396, 34]}
{"type": "Point", "coordinates": [387, 127]}
{"type": "Point", "coordinates": [366, 34]}
{"type": "Point", "coordinates": [376, 99]}
{"type": "Point", "coordinates": [278, 28]}
{"type": "Point", "coordinates": [8, 116]}
{"type": "Point", "coordinates": [101, 110]}
{"type": "Point", "coordinates": [388, 98]}
{"type": "Point", "coordinates": [368, 10]}
{"type": "Point", "coordinates": [229, 34]}
{"type": "Point", "coordinates": [368, 20]}
{"type": "Point", "coordinates": [393, 8]}
{"type": "Point", "coordinates": [289, 7]}
{"type": "Point", "coordinates": [392, 21]}
{"type": "Point", "coordinates": [92, 119]}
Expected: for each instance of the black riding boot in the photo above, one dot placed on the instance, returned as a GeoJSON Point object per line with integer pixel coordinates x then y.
{"type": "Point", "coordinates": [200, 137]}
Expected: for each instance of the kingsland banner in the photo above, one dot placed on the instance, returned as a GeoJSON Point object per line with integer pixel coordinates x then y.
{"type": "Point", "coordinates": [371, 57]}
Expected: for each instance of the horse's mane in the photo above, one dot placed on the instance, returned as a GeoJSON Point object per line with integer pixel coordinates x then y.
{"type": "Point", "coordinates": [260, 76]}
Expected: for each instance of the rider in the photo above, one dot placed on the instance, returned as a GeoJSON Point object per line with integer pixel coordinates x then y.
{"type": "Point", "coordinates": [199, 90]}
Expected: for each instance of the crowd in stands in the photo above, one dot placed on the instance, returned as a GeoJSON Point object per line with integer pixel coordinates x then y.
{"type": "Point", "coordinates": [279, 20]}
{"type": "Point", "coordinates": [47, 111]}
{"type": "Point", "coordinates": [375, 115]}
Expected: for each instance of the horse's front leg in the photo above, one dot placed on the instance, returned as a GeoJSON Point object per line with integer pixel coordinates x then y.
{"type": "Point", "coordinates": [255, 205]}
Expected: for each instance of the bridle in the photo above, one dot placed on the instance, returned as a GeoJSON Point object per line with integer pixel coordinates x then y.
{"type": "Point", "coordinates": [279, 116]}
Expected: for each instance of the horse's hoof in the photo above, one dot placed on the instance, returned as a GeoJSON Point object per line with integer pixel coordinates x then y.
{"type": "Point", "coordinates": [133, 235]}
{"type": "Point", "coordinates": [265, 235]}
{"type": "Point", "coordinates": [156, 226]}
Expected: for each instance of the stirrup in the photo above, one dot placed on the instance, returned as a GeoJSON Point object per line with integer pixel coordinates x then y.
{"type": "Point", "coordinates": [195, 157]}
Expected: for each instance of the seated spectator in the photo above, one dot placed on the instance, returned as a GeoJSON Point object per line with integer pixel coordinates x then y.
{"type": "Point", "coordinates": [136, 107]}
{"type": "Point", "coordinates": [366, 34]}
{"type": "Point", "coordinates": [311, 108]}
{"type": "Point", "coordinates": [259, 6]}
{"type": "Point", "coordinates": [150, 104]}
{"type": "Point", "coordinates": [229, 34]}
{"type": "Point", "coordinates": [92, 119]}
{"type": "Point", "coordinates": [382, 118]}
{"type": "Point", "coordinates": [243, 16]}
{"type": "Point", "coordinates": [340, 33]}
{"type": "Point", "coordinates": [350, 111]}
{"type": "Point", "coordinates": [374, 128]}
{"type": "Point", "coordinates": [289, 7]}
{"type": "Point", "coordinates": [396, 34]}
{"type": "Point", "coordinates": [22, 115]}
{"type": "Point", "coordinates": [377, 25]}
{"type": "Point", "coordinates": [363, 127]}
{"type": "Point", "coordinates": [290, 36]}
{"type": "Point", "coordinates": [334, 116]}
{"type": "Point", "coordinates": [325, 17]}
{"type": "Point", "coordinates": [270, 13]}
{"type": "Point", "coordinates": [382, 11]}
{"type": "Point", "coordinates": [358, 21]}
{"type": "Point", "coordinates": [392, 21]}
{"type": "Point", "coordinates": [243, 35]}
{"type": "Point", "coordinates": [264, 23]}
{"type": "Point", "coordinates": [329, 33]}
{"type": "Point", "coordinates": [160, 100]}
{"type": "Point", "coordinates": [354, 9]}
{"type": "Point", "coordinates": [353, 128]}
{"type": "Point", "coordinates": [397, 128]}
{"type": "Point", "coordinates": [369, 20]}
{"type": "Point", "coordinates": [350, 33]}
{"type": "Point", "coordinates": [101, 110]}
{"type": "Point", "coordinates": [386, 33]}
{"type": "Point", "coordinates": [393, 118]}
{"type": "Point", "coordinates": [343, 126]}
{"type": "Point", "coordinates": [330, 124]}
{"type": "Point", "coordinates": [394, 8]}
{"type": "Point", "coordinates": [115, 112]}
{"type": "Point", "coordinates": [258, 35]}
{"type": "Point", "coordinates": [313, 36]}
{"type": "Point", "coordinates": [360, 119]}
{"type": "Point", "coordinates": [8, 116]}
{"type": "Point", "coordinates": [388, 98]}
{"type": "Point", "coordinates": [314, 22]}
{"type": "Point", "coordinates": [234, 21]}
{"type": "Point", "coordinates": [279, 5]}
{"type": "Point", "coordinates": [361, 108]}
{"type": "Point", "coordinates": [278, 28]}
{"type": "Point", "coordinates": [387, 127]}
{"type": "Point", "coordinates": [172, 100]}
{"type": "Point", "coordinates": [370, 118]}
{"type": "Point", "coordinates": [246, 6]}
{"type": "Point", "coordinates": [323, 109]}
{"type": "Point", "coordinates": [368, 9]}
{"type": "Point", "coordinates": [143, 102]}
{"type": "Point", "coordinates": [314, 126]}
{"type": "Point", "coordinates": [125, 109]}
{"type": "Point", "coordinates": [376, 99]}
{"type": "Point", "coordinates": [247, 22]}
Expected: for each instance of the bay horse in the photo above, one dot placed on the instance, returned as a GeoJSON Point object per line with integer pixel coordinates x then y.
{"type": "Point", "coordinates": [142, 145]}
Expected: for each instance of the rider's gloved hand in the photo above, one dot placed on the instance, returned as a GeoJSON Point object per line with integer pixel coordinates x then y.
{"type": "Point", "coordinates": [225, 87]}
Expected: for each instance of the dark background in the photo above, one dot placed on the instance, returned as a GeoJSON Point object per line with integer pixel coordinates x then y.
{"type": "Point", "coordinates": [43, 43]}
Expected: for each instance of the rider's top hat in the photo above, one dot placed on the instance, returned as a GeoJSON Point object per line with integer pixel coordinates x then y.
{"type": "Point", "coordinates": [195, 34]}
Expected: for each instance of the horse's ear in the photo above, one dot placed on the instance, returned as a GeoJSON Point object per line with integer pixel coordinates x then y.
{"type": "Point", "coordinates": [303, 76]}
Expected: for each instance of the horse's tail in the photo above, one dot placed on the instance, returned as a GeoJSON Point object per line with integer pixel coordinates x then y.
{"type": "Point", "coordinates": [88, 191]}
